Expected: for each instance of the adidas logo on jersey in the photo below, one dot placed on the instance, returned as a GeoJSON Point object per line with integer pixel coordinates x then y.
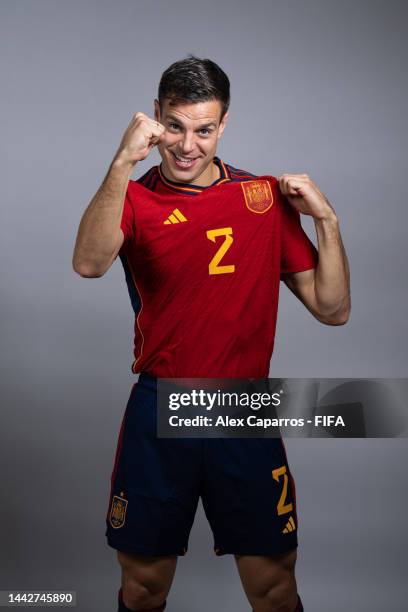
{"type": "Point", "coordinates": [290, 526]}
{"type": "Point", "coordinates": [175, 217]}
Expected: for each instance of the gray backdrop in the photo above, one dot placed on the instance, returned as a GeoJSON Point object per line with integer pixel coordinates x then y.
{"type": "Point", "coordinates": [317, 87]}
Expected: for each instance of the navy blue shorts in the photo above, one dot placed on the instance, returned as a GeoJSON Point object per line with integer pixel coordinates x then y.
{"type": "Point", "coordinates": [245, 484]}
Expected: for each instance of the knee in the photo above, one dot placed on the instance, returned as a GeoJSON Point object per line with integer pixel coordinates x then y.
{"type": "Point", "coordinates": [145, 580]}
{"type": "Point", "coordinates": [138, 596]}
{"type": "Point", "coordinates": [282, 596]}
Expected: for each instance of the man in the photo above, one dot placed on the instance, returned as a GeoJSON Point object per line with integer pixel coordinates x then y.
{"type": "Point", "coordinates": [204, 246]}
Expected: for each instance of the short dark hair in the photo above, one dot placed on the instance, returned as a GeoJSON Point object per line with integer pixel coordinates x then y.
{"type": "Point", "coordinates": [193, 79]}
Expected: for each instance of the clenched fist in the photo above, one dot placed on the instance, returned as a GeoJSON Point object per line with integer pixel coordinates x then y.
{"type": "Point", "coordinates": [305, 196]}
{"type": "Point", "coordinates": [141, 135]}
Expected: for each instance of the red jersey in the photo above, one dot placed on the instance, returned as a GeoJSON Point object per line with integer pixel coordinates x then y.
{"type": "Point", "coordinates": [203, 266]}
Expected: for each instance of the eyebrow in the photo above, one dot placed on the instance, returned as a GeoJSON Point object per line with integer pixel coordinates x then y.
{"type": "Point", "coordinates": [203, 125]}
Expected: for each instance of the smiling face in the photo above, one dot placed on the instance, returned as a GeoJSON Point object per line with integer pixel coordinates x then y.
{"type": "Point", "coordinates": [190, 140]}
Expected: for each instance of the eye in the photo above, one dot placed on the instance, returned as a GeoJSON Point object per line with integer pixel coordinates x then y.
{"type": "Point", "coordinates": [205, 130]}
{"type": "Point", "coordinates": [173, 126]}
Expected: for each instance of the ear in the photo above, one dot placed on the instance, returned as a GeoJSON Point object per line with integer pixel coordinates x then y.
{"type": "Point", "coordinates": [156, 110]}
{"type": "Point", "coordinates": [222, 125]}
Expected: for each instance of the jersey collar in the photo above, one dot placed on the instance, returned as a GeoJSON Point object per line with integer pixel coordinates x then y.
{"type": "Point", "coordinates": [195, 189]}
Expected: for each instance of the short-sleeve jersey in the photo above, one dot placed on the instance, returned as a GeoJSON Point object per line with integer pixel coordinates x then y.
{"type": "Point", "coordinates": [203, 268]}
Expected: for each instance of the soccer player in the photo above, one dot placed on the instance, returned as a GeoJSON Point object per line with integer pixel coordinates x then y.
{"type": "Point", "coordinates": [204, 246]}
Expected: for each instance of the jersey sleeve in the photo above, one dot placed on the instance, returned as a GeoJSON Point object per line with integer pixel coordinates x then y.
{"type": "Point", "coordinates": [298, 252]}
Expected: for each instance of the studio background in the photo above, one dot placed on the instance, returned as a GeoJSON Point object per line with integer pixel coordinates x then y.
{"type": "Point", "coordinates": [317, 87]}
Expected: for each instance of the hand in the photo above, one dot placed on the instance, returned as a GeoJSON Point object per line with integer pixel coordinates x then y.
{"type": "Point", "coordinates": [305, 196]}
{"type": "Point", "coordinates": [141, 135]}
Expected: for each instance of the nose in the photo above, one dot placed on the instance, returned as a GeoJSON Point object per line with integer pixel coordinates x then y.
{"type": "Point", "coordinates": [187, 143]}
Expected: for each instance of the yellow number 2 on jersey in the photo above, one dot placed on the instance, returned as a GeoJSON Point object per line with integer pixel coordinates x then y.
{"type": "Point", "coordinates": [213, 267]}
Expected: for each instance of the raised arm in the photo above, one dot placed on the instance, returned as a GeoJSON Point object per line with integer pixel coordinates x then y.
{"type": "Point", "coordinates": [325, 290]}
{"type": "Point", "coordinates": [99, 236]}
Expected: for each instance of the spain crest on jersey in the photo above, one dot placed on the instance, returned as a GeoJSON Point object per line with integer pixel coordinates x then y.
{"type": "Point", "coordinates": [118, 512]}
{"type": "Point", "coordinates": [258, 195]}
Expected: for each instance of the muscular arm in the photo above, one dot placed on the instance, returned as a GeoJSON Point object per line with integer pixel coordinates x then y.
{"type": "Point", "coordinates": [99, 235]}
{"type": "Point", "coordinates": [325, 290]}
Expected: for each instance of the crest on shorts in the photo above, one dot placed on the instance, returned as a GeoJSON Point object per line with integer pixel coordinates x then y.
{"type": "Point", "coordinates": [118, 511]}
{"type": "Point", "coordinates": [258, 195]}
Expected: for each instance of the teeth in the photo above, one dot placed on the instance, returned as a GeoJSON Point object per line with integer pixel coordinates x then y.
{"type": "Point", "coordinates": [184, 159]}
